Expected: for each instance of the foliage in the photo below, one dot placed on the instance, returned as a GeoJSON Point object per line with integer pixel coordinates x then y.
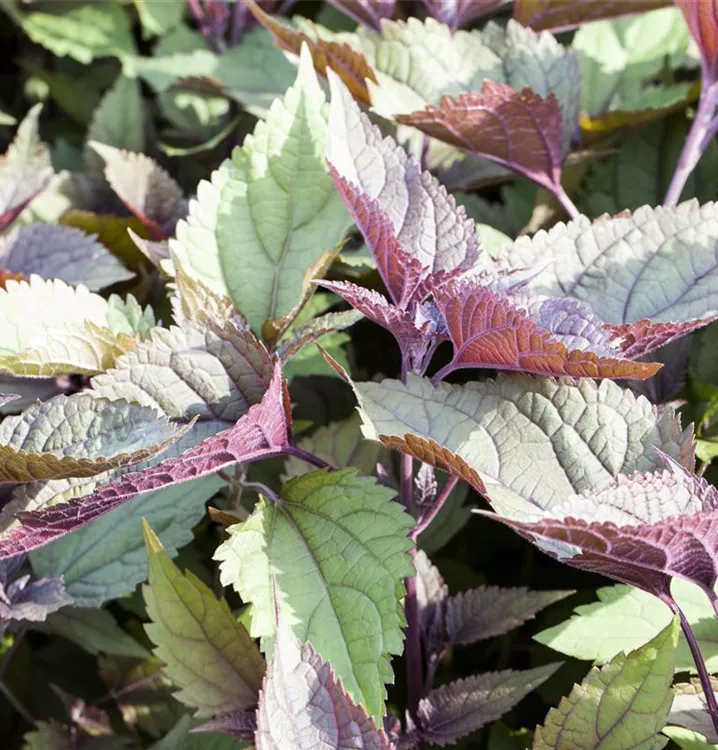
{"type": "Point", "coordinates": [350, 314]}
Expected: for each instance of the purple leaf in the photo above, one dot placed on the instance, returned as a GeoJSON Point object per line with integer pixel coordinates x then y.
{"type": "Point", "coordinates": [518, 130]}
{"type": "Point", "coordinates": [487, 611]}
{"type": "Point", "coordinates": [642, 337]}
{"type": "Point", "coordinates": [62, 252]}
{"type": "Point", "coordinates": [455, 13]}
{"type": "Point", "coordinates": [413, 339]}
{"type": "Point", "coordinates": [395, 204]}
{"type": "Point", "coordinates": [304, 707]}
{"type": "Point", "coordinates": [642, 530]}
{"type": "Point", "coordinates": [431, 593]}
{"type": "Point", "coordinates": [241, 724]}
{"type": "Point", "coordinates": [145, 188]}
{"type": "Point", "coordinates": [262, 432]}
{"type": "Point", "coordinates": [488, 331]}
{"type": "Point", "coordinates": [702, 20]}
{"type": "Point", "coordinates": [460, 708]}
{"type": "Point", "coordinates": [560, 15]}
{"type": "Point", "coordinates": [670, 379]}
{"type": "Point", "coordinates": [155, 252]}
{"type": "Point", "coordinates": [368, 12]}
{"type": "Point", "coordinates": [25, 169]}
{"type": "Point", "coordinates": [24, 599]}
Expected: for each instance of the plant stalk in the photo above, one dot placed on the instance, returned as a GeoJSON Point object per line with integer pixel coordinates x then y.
{"type": "Point", "coordinates": [566, 203]}
{"type": "Point", "coordinates": [426, 519]}
{"type": "Point", "coordinates": [310, 458]}
{"type": "Point", "coordinates": [701, 132]}
{"type": "Point", "coordinates": [701, 667]}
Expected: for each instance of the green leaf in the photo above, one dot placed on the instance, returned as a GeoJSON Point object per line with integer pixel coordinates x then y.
{"type": "Point", "coordinates": [340, 444]}
{"type": "Point", "coordinates": [118, 121]}
{"type": "Point", "coordinates": [85, 32]}
{"type": "Point", "coordinates": [617, 57]}
{"type": "Point", "coordinates": [624, 617]}
{"type": "Point", "coordinates": [80, 436]}
{"type": "Point", "coordinates": [50, 328]}
{"type": "Point", "coordinates": [687, 739]}
{"type": "Point", "coordinates": [158, 17]}
{"type": "Point", "coordinates": [622, 706]}
{"type": "Point", "coordinates": [207, 653]}
{"type": "Point", "coordinates": [106, 559]}
{"type": "Point", "coordinates": [524, 442]}
{"type": "Point", "coordinates": [96, 631]}
{"type": "Point", "coordinates": [180, 738]}
{"type": "Point", "coordinates": [280, 200]}
{"type": "Point", "coordinates": [213, 371]}
{"type": "Point", "coordinates": [333, 551]}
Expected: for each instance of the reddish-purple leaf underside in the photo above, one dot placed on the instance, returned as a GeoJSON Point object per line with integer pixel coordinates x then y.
{"type": "Point", "coordinates": [455, 13]}
{"type": "Point", "coordinates": [304, 706]}
{"type": "Point", "coordinates": [368, 12]}
{"type": "Point", "coordinates": [262, 432]}
{"type": "Point", "coordinates": [642, 530]}
{"type": "Point", "coordinates": [702, 19]}
{"type": "Point", "coordinates": [642, 337]}
{"type": "Point", "coordinates": [517, 129]}
{"type": "Point", "coordinates": [487, 330]}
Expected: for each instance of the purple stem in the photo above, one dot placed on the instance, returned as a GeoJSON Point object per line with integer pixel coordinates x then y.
{"type": "Point", "coordinates": [239, 23]}
{"type": "Point", "coordinates": [566, 203]}
{"type": "Point", "coordinates": [702, 130]}
{"type": "Point", "coordinates": [310, 458]}
{"type": "Point", "coordinates": [703, 675]}
{"type": "Point", "coordinates": [425, 520]}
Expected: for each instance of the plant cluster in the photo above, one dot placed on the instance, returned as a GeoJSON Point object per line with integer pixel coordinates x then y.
{"type": "Point", "coordinates": [349, 309]}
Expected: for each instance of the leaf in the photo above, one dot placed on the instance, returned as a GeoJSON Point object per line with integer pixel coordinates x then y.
{"type": "Point", "coordinates": [686, 739]}
{"type": "Point", "coordinates": [144, 187]}
{"type": "Point", "coordinates": [25, 169]}
{"type": "Point", "coordinates": [412, 225]}
{"type": "Point", "coordinates": [214, 371]}
{"type": "Point", "coordinates": [194, 302]}
{"type": "Point", "coordinates": [118, 121]}
{"type": "Point", "coordinates": [623, 705]}
{"type": "Point", "coordinates": [689, 709]}
{"type": "Point", "coordinates": [488, 611]}
{"type": "Point", "coordinates": [625, 617]}
{"type": "Point", "coordinates": [487, 330]}
{"type": "Point", "coordinates": [304, 705]}
{"type": "Point", "coordinates": [183, 737]}
{"type": "Point", "coordinates": [300, 216]}
{"type": "Point", "coordinates": [79, 436]}
{"type": "Point", "coordinates": [50, 328]}
{"type": "Point", "coordinates": [56, 251]}
{"type": "Point", "coordinates": [315, 329]}
{"type": "Point", "coordinates": [241, 724]}
{"type": "Point", "coordinates": [368, 12]}
{"type": "Point", "coordinates": [159, 17]}
{"type": "Point", "coordinates": [347, 605]}
{"type": "Point", "coordinates": [96, 631]}
{"type": "Point", "coordinates": [84, 32]}
{"type": "Point", "coordinates": [459, 708]}
{"type": "Point", "coordinates": [524, 442]}
{"type": "Point", "coordinates": [206, 652]}
{"type": "Point", "coordinates": [656, 264]}
{"type": "Point", "coordinates": [644, 530]}
{"type": "Point", "coordinates": [106, 559]}
{"type": "Point", "coordinates": [348, 64]}
{"type": "Point", "coordinates": [262, 432]}
{"type": "Point", "coordinates": [477, 122]}
{"type": "Point", "coordinates": [702, 20]}
{"type": "Point", "coordinates": [431, 594]}
{"type": "Point", "coordinates": [22, 598]}
{"type": "Point", "coordinates": [455, 13]}
{"type": "Point", "coordinates": [562, 14]}
{"type": "Point", "coordinates": [340, 444]}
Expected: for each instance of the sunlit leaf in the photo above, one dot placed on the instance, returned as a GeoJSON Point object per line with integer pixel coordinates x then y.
{"type": "Point", "coordinates": [622, 705]}
{"type": "Point", "coordinates": [354, 618]}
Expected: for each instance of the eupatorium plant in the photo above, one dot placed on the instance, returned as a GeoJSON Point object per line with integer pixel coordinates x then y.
{"type": "Point", "coordinates": [287, 300]}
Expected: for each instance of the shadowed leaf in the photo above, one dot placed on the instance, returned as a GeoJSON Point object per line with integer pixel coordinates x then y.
{"type": "Point", "coordinates": [206, 652]}
{"type": "Point", "coordinates": [368, 12]}
{"type": "Point", "coordinates": [459, 708]}
{"type": "Point", "coordinates": [25, 169]}
{"type": "Point", "coordinates": [22, 598]}
{"type": "Point", "coordinates": [455, 13]}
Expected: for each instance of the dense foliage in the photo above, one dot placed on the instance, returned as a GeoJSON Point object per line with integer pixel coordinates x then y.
{"type": "Point", "coordinates": [316, 320]}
